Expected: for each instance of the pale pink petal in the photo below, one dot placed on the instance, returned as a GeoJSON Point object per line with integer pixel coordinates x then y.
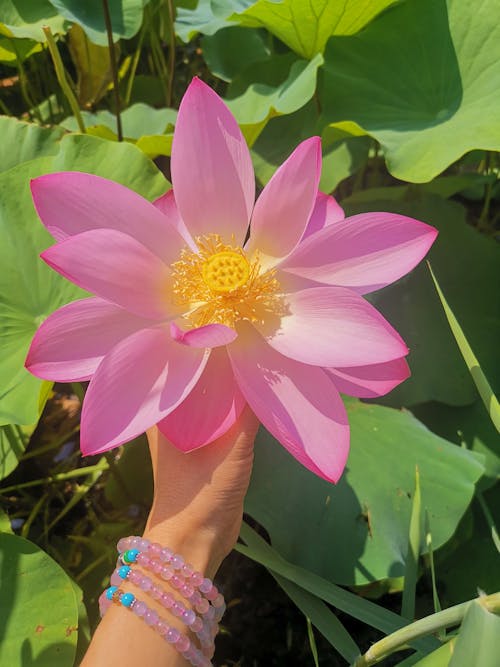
{"type": "Point", "coordinates": [333, 326]}
{"type": "Point", "coordinates": [210, 409]}
{"type": "Point", "coordinates": [326, 210]}
{"type": "Point", "coordinates": [166, 204]}
{"type": "Point", "coordinates": [212, 172]}
{"type": "Point", "coordinates": [364, 252]}
{"type": "Point", "coordinates": [117, 268]}
{"type": "Point", "coordinates": [210, 335]}
{"type": "Point", "coordinates": [298, 404]}
{"type": "Point", "coordinates": [71, 343]}
{"type": "Point", "coordinates": [141, 380]}
{"type": "Point", "coordinates": [282, 210]}
{"type": "Point", "coordinates": [71, 202]}
{"type": "Point", "coordinates": [370, 381]}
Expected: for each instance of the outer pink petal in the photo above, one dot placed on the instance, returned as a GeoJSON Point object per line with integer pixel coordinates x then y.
{"type": "Point", "coordinates": [166, 204]}
{"type": "Point", "coordinates": [71, 343]}
{"type": "Point", "coordinates": [210, 335]}
{"type": "Point", "coordinates": [333, 326]}
{"type": "Point", "coordinates": [325, 211]}
{"type": "Point", "coordinates": [370, 381]}
{"type": "Point", "coordinates": [69, 203]}
{"type": "Point", "coordinates": [298, 404]}
{"type": "Point", "coordinates": [281, 212]}
{"type": "Point", "coordinates": [137, 384]}
{"type": "Point", "coordinates": [212, 171]}
{"type": "Point", "coordinates": [116, 267]}
{"type": "Point", "coordinates": [209, 410]}
{"type": "Point", "coordinates": [364, 252]}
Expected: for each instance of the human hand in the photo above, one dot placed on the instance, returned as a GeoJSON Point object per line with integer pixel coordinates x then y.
{"type": "Point", "coordinates": [198, 500]}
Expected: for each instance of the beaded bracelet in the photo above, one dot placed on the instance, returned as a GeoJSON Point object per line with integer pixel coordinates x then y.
{"type": "Point", "coordinates": [180, 642]}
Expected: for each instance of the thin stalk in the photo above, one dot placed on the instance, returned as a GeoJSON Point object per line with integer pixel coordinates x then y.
{"type": "Point", "coordinates": [133, 68]}
{"type": "Point", "coordinates": [95, 563]}
{"type": "Point", "coordinates": [27, 524]}
{"type": "Point", "coordinates": [51, 445]}
{"type": "Point", "coordinates": [171, 53]}
{"type": "Point", "coordinates": [489, 520]}
{"type": "Point", "coordinates": [59, 477]}
{"type": "Point", "coordinates": [63, 78]}
{"type": "Point", "coordinates": [4, 109]}
{"type": "Point", "coordinates": [114, 71]}
{"type": "Point", "coordinates": [424, 626]}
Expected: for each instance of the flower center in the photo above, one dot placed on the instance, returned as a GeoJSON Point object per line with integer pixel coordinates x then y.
{"type": "Point", "coordinates": [225, 271]}
{"type": "Point", "coordinates": [219, 284]}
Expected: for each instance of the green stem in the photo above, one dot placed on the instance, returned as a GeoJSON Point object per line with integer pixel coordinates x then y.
{"type": "Point", "coordinates": [51, 445]}
{"type": "Point", "coordinates": [171, 53]}
{"type": "Point", "coordinates": [60, 477]}
{"type": "Point", "coordinates": [63, 79]}
{"type": "Point", "coordinates": [133, 68]}
{"type": "Point", "coordinates": [114, 71]}
{"type": "Point", "coordinates": [489, 520]}
{"type": "Point", "coordinates": [421, 628]}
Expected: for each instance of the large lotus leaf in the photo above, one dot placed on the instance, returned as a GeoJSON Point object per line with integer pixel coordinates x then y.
{"type": "Point", "coordinates": [477, 642]}
{"type": "Point", "coordinates": [137, 120]}
{"type": "Point", "coordinates": [306, 26]}
{"type": "Point", "coordinates": [29, 289]}
{"type": "Point", "coordinates": [423, 79]}
{"type": "Point", "coordinates": [13, 441]}
{"type": "Point", "coordinates": [93, 67]}
{"type": "Point", "coordinates": [356, 532]}
{"type": "Point", "coordinates": [25, 18]}
{"type": "Point", "coordinates": [281, 135]}
{"type": "Point", "coordinates": [207, 17]}
{"type": "Point", "coordinates": [39, 619]}
{"type": "Point", "coordinates": [14, 51]}
{"type": "Point", "coordinates": [466, 265]}
{"type": "Point", "coordinates": [125, 15]}
{"type": "Point", "coordinates": [25, 141]}
{"type": "Point", "coordinates": [231, 50]}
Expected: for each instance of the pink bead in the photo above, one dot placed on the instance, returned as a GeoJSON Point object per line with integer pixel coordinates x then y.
{"type": "Point", "coordinates": [156, 566]}
{"type": "Point", "coordinates": [212, 594]}
{"type": "Point", "coordinates": [196, 579]}
{"type": "Point", "coordinates": [143, 560]}
{"type": "Point", "coordinates": [167, 600]}
{"type": "Point", "coordinates": [197, 625]}
{"type": "Point", "coordinates": [209, 614]}
{"type": "Point", "coordinates": [135, 577]}
{"type": "Point", "coordinates": [143, 545]}
{"type": "Point", "coordinates": [177, 609]}
{"type": "Point", "coordinates": [166, 554]}
{"type": "Point", "coordinates": [166, 573]}
{"type": "Point", "coordinates": [177, 562]}
{"type": "Point", "coordinates": [123, 544]}
{"type": "Point", "coordinates": [205, 586]}
{"type": "Point", "coordinates": [218, 601]}
{"type": "Point", "coordinates": [151, 617]}
{"type": "Point", "coordinates": [146, 584]}
{"type": "Point", "coordinates": [134, 542]}
{"type": "Point", "coordinates": [186, 591]}
{"type": "Point", "coordinates": [154, 549]}
{"type": "Point", "coordinates": [172, 635]}
{"type": "Point", "coordinates": [202, 606]}
{"type": "Point", "coordinates": [187, 570]}
{"type": "Point", "coordinates": [188, 616]}
{"type": "Point", "coordinates": [139, 608]}
{"type": "Point", "coordinates": [183, 644]}
{"type": "Point", "coordinates": [115, 579]}
{"type": "Point", "coordinates": [176, 581]}
{"type": "Point", "coordinates": [162, 627]}
{"type": "Point", "coordinates": [195, 597]}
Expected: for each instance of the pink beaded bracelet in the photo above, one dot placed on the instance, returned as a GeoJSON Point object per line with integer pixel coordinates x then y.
{"type": "Point", "coordinates": [180, 642]}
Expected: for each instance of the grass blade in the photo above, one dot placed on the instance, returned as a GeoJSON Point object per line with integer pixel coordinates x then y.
{"type": "Point", "coordinates": [413, 553]}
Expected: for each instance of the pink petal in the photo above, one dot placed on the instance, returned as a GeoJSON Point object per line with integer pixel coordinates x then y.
{"type": "Point", "coordinates": [116, 267]}
{"type": "Point", "coordinates": [325, 211]}
{"type": "Point", "coordinates": [209, 410]}
{"type": "Point", "coordinates": [69, 203]}
{"type": "Point", "coordinates": [210, 335]}
{"type": "Point", "coordinates": [364, 252]}
{"type": "Point", "coordinates": [212, 171]}
{"type": "Point", "coordinates": [71, 343]}
{"type": "Point", "coordinates": [285, 205]}
{"type": "Point", "coordinates": [140, 381]}
{"type": "Point", "coordinates": [166, 204]}
{"type": "Point", "coordinates": [298, 404]}
{"type": "Point", "coordinates": [370, 381]}
{"type": "Point", "coordinates": [333, 326]}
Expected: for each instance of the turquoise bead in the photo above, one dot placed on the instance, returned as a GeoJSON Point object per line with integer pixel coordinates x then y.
{"type": "Point", "coordinates": [130, 556]}
{"type": "Point", "coordinates": [111, 591]}
{"type": "Point", "coordinates": [123, 571]}
{"type": "Point", "coordinates": [127, 599]}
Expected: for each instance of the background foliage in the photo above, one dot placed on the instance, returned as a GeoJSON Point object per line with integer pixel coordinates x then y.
{"type": "Point", "coordinates": [405, 95]}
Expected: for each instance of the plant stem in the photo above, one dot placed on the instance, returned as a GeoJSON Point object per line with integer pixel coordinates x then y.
{"type": "Point", "coordinates": [63, 78]}
{"type": "Point", "coordinates": [424, 626]}
{"type": "Point", "coordinates": [59, 477]}
{"type": "Point", "coordinates": [114, 71]}
{"type": "Point", "coordinates": [171, 53]}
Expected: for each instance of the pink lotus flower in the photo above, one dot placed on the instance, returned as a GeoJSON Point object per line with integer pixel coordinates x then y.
{"type": "Point", "coordinates": [191, 322]}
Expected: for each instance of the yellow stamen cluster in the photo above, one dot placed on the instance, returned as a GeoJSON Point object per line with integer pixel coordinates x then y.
{"type": "Point", "coordinates": [219, 284]}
